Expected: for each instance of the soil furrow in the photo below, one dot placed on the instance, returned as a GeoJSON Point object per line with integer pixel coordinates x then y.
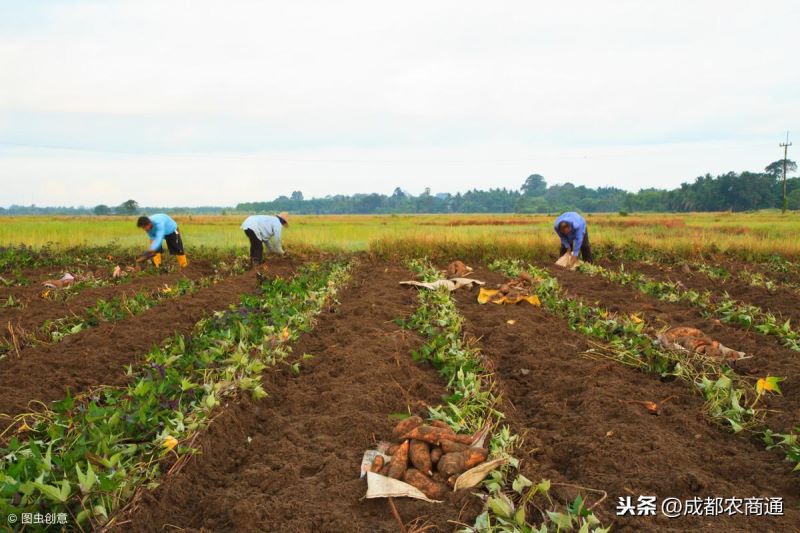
{"type": "Point", "coordinates": [582, 424]}
{"type": "Point", "coordinates": [97, 356]}
{"type": "Point", "coordinates": [780, 303]}
{"type": "Point", "coordinates": [291, 461]}
{"type": "Point", "coordinates": [37, 310]}
{"type": "Point", "coordinates": [768, 356]}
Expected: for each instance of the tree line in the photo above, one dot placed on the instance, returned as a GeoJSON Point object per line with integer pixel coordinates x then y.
{"type": "Point", "coordinates": [730, 191]}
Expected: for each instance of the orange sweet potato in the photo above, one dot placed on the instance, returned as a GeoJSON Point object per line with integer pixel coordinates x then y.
{"type": "Point", "coordinates": [450, 446]}
{"type": "Point", "coordinates": [463, 439]}
{"type": "Point", "coordinates": [405, 425]}
{"type": "Point", "coordinates": [391, 449]}
{"type": "Point", "coordinates": [377, 464]}
{"type": "Point", "coordinates": [436, 454]}
{"type": "Point", "coordinates": [435, 432]}
{"type": "Point", "coordinates": [439, 424]}
{"type": "Point", "coordinates": [399, 462]}
{"type": "Point", "coordinates": [430, 434]}
{"type": "Point", "coordinates": [420, 454]}
{"type": "Point", "coordinates": [458, 462]}
{"type": "Point", "coordinates": [429, 487]}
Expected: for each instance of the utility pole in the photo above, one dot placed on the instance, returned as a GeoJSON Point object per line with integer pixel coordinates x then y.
{"type": "Point", "coordinates": [785, 146]}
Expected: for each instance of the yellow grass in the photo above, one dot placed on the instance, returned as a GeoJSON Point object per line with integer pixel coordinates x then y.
{"type": "Point", "coordinates": [759, 233]}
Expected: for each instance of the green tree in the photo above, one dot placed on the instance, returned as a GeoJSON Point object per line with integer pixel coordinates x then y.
{"type": "Point", "coordinates": [534, 185]}
{"type": "Point", "coordinates": [793, 199]}
{"type": "Point", "coordinates": [297, 196]}
{"type": "Point", "coordinates": [776, 168]}
{"type": "Point", "coordinates": [102, 209]}
{"type": "Point", "coordinates": [128, 207]}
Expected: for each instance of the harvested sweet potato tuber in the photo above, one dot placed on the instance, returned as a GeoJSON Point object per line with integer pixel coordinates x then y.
{"type": "Point", "coordinates": [429, 487]}
{"type": "Point", "coordinates": [513, 295]}
{"type": "Point", "coordinates": [405, 425]}
{"type": "Point", "coordinates": [439, 424]}
{"type": "Point", "coordinates": [463, 439]}
{"type": "Point", "coordinates": [524, 276]}
{"type": "Point", "coordinates": [457, 269]}
{"type": "Point", "coordinates": [436, 454]}
{"type": "Point", "coordinates": [450, 446]}
{"type": "Point", "coordinates": [458, 462]}
{"type": "Point", "coordinates": [475, 456]}
{"type": "Point", "coordinates": [399, 462]}
{"type": "Point", "coordinates": [377, 464]}
{"type": "Point", "coordinates": [434, 435]}
{"type": "Point", "coordinates": [391, 449]}
{"type": "Point", "coordinates": [430, 434]}
{"type": "Point", "coordinates": [420, 454]}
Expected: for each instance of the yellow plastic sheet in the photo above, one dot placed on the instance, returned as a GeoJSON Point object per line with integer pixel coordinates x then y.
{"type": "Point", "coordinates": [486, 295]}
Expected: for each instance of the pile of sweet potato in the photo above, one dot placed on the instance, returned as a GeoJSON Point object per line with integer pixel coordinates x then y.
{"type": "Point", "coordinates": [429, 457]}
{"type": "Point", "coordinates": [515, 288]}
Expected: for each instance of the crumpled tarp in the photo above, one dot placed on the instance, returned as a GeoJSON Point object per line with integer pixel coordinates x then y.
{"type": "Point", "coordinates": [493, 296]}
{"type": "Point", "coordinates": [450, 284]}
{"type": "Point", "coordinates": [568, 261]}
{"type": "Point", "coordinates": [379, 486]}
{"type": "Point", "coordinates": [65, 281]}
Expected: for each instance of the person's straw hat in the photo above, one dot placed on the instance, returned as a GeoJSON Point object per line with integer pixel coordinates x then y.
{"type": "Point", "coordinates": [284, 216]}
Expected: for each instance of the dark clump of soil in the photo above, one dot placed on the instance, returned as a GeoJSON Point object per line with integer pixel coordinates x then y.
{"type": "Point", "coordinates": [37, 310]}
{"type": "Point", "coordinates": [768, 356]}
{"type": "Point", "coordinates": [97, 356]}
{"type": "Point", "coordinates": [583, 427]}
{"type": "Point", "coordinates": [291, 462]}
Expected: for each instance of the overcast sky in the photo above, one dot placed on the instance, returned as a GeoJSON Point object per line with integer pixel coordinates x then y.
{"type": "Point", "coordinates": [214, 103]}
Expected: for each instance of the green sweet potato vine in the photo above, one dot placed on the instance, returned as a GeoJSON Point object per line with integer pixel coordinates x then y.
{"type": "Point", "coordinates": [508, 495]}
{"type": "Point", "coordinates": [87, 455]}
{"type": "Point", "coordinates": [731, 399]}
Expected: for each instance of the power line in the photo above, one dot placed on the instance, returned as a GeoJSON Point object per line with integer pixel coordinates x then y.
{"type": "Point", "coordinates": [785, 146]}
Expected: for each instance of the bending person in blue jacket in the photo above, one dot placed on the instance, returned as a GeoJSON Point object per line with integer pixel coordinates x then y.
{"type": "Point", "coordinates": [264, 229]}
{"type": "Point", "coordinates": [571, 229]}
{"type": "Point", "coordinates": [161, 227]}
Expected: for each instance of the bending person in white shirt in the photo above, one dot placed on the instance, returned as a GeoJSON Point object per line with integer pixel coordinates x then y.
{"type": "Point", "coordinates": [264, 229]}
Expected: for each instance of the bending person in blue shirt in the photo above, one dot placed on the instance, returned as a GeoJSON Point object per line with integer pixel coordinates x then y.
{"type": "Point", "coordinates": [161, 227]}
{"type": "Point", "coordinates": [571, 229]}
{"type": "Point", "coordinates": [264, 229]}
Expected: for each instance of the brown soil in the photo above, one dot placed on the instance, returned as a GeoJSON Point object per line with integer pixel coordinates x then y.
{"type": "Point", "coordinates": [37, 310]}
{"type": "Point", "coordinates": [566, 404]}
{"type": "Point", "coordinates": [780, 303]}
{"type": "Point", "coordinates": [291, 461]}
{"type": "Point", "coordinates": [792, 277]}
{"type": "Point", "coordinates": [26, 277]}
{"type": "Point", "coordinates": [769, 357]}
{"type": "Point", "coordinates": [96, 356]}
